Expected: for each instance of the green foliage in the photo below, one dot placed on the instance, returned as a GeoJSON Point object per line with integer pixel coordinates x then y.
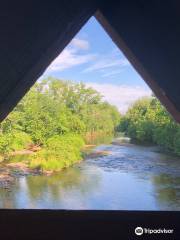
{"type": "Point", "coordinates": [5, 143]}
{"type": "Point", "coordinates": [21, 140]}
{"type": "Point", "coordinates": [14, 140]}
{"type": "Point", "coordinates": [53, 115]}
{"type": "Point", "coordinates": [177, 142]}
{"type": "Point", "coordinates": [56, 107]}
{"type": "Point", "coordinates": [148, 121]}
{"type": "Point", "coordinates": [60, 152]}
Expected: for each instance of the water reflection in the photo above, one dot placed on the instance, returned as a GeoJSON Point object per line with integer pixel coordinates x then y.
{"type": "Point", "coordinates": [167, 188]}
{"type": "Point", "coordinates": [49, 191]}
{"type": "Point", "coordinates": [130, 177]}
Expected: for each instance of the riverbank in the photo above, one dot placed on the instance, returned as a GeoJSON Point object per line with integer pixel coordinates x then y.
{"type": "Point", "coordinates": [17, 164]}
{"type": "Point", "coordinates": [10, 171]}
{"type": "Point", "coordinates": [128, 178]}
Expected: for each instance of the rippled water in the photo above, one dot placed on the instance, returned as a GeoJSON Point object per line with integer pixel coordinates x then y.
{"type": "Point", "coordinates": [129, 178]}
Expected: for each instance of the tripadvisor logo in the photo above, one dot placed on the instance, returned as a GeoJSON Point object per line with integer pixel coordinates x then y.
{"type": "Point", "coordinates": [139, 231]}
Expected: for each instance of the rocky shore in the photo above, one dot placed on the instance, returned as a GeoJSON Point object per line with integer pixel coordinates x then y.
{"type": "Point", "coordinates": [10, 171]}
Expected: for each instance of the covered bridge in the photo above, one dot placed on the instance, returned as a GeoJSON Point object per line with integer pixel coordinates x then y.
{"type": "Point", "coordinates": [33, 33]}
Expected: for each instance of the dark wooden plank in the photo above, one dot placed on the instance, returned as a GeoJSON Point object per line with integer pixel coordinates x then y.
{"type": "Point", "coordinates": [148, 33]}
{"type": "Point", "coordinates": [59, 224]}
{"type": "Point", "coordinates": [32, 34]}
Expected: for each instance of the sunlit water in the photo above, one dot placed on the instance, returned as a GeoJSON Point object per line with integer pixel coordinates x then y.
{"type": "Point", "coordinates": [129, 178]}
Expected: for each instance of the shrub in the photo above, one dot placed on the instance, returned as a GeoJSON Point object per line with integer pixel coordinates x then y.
{"type": "Point", "coordinates": [5, 143]}
{"type": "Point", "coordinates": [177, 143]}
{"type": "Point", "coordinates": [60, 152]}
{"type": "Point", "coordinates": [15, 140]}
{"type": "Point", "coordinates": [20, 140]}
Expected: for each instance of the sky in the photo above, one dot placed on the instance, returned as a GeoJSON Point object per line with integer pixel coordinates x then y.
{"type": "Point", "coordinates": [93, 58]}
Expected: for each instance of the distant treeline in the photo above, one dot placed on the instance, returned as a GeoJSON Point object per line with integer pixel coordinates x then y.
{"type": "Point", "coordinates": [56, 115]}
{"type": "Point", "coordinates": [147, 121]}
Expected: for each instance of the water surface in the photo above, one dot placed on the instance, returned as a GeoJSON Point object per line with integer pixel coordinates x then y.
{"type": "Point", "coordinates": [130, 178]}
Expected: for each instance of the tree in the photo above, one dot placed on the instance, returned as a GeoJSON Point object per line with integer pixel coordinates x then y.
{"type": "Point", "coordinates": [148, 121]}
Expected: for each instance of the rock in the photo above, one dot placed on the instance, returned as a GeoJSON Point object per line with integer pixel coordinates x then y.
{"type": "Point", "coordinates": [21, 152]}
{"type": "Point", "coordinates": [96, 154]}
{"type": "Point", "coordinates": [34, 148]}
{"type": "Point", "coordinates": [20, 169]}
{"type": "Point", "coordinates": [6, 180]}
{"type": "Point", "coordinates": [89, 146]}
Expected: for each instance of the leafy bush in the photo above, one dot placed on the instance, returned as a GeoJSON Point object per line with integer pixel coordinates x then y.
{"type": "Point", "coordinates": [15, 140]}
{"type": "Point", "coordinates": [52, 115]}
{"type": "Point", "coordinates": [60, 152]}
{"type": "Point", "coordinates": [148, 121]}
{"type": "Point", "coordinates": [177, 142]}
{"type": "Point", "coordinates": [21, 140]}
{"type": "Point", "coordinates": [5, 143]}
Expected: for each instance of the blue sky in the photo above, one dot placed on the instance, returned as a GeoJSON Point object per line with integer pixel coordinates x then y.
{"type": "Point", "coordinates": [93, 58]}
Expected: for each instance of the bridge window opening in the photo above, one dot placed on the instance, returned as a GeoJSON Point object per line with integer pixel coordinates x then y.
{"type": "Point", "coordinates": [90, 134]}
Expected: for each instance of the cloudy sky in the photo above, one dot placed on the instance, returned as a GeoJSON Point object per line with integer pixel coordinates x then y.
{"type": "Point", "coordinates": [94, 59]}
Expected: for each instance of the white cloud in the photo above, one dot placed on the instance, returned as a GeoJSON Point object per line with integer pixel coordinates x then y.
{"type": "Point", "coordinates": [112, 73]}
{"type": "Point", "coordinates": [72, 56]}
{"type": "Point", "coordinates": [69, 58]}
{"type": "Point", "coordinates": [77, 53]}
{"type": "Point", "coordinates": [108, 64]}
{"type": "Point", "coordinates": [105, 62]}
{"type": "Point", "coordinates": [122, 96]}
{"type": "Point", "coordinates": [80, 43]}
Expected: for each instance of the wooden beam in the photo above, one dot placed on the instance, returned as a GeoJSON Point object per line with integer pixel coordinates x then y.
{"type": "Point", "coordinates": [61, 224]}
{"type": "Point", "coordinates": [112, 18]}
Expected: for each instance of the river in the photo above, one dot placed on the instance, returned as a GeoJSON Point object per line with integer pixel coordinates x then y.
{"type": "Point", "coordinates": [131, 177]}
